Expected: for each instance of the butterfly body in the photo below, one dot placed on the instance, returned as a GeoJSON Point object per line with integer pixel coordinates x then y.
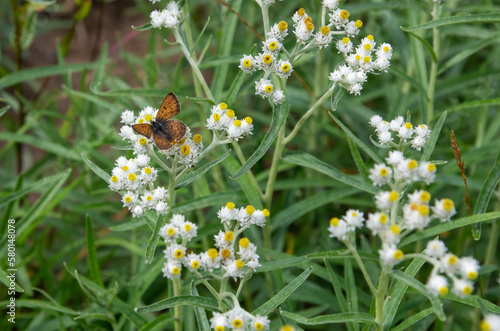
{"type": "Point", "coordinates": [165, 131]}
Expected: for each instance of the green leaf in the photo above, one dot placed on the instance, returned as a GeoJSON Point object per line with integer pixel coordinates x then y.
{"type": "Point", "coordinates": [411, 281]}
{"type": "Point", "coordinates": [397, 292]}
{"type": "Point", "coordinates": [201, 315]}
{"type": "Point", "coordinates": [281, 296]}
{"type": "Point", "coordinates": [134, 223]}
{"type": "Point", "coordinates": [426, 44]}
{"type": "Point", "coordinates": [144, 27]}
{"type": "Point", "coordinates": [191, 177]}
{"type": "Point", "coordinates": [474, 104]}
{"type": "Point", "coordinates": [360, 164]}
{"type": "Point", "coordinates": [474, 301]}
{"type": "Point", "coordinates": [358, 142]}
{"type": "Point", "coordinates": [487, 191]}
{"type": "Point", "coordinates": [250, 191]}
{"type": "Point", "coordinates": [431, 143]}
{"type": "Point", "coordinates": [215, 199]}
{"type": "Point", "coordinates": [3, 110]}
{"type": "Point", "coordinates": [344, 307]}
{"type": "Point", "coordinates": [153, 241]}
{"type": "Point", "coordinates": [457, 19]}
{"type": "Point", "coordinates": [96, 169]}
{"type": "Point", "coordinates": [181, 300]}
{"type": "Point", "coordinates": [158, 323]}
{"type": "Point", "coordinates": [342, 255]}
{"type": "Point", "coordinates": [37, 72]}
{"type": "Point", "coordinates": [43, 144]}
{"type": "Point", "coordinates": [4, 279]}
{"type": "Point", "coordinates": [91, 253]}
{"type": "Point", "coordinates": [309, 161]}
{"type": "Point", "coordinates": [96, 314]}
{"type": "Point", "coordinates": [332, 319]}
{"type": "Point", "coordinates": [44, 305]}
{"type": "Point", "coordinates": [139, 92]}
{"type": "Point", "coordinates": [413, 319]}
{"type": "Point", "coordinates": [280, 113]}
{"type": "Point", "coordinates": [17, 194]}
{"type": "Point", "coordinates": [443, 227]}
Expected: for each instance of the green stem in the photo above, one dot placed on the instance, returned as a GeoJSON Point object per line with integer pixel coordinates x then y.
{"type": "Point", "coordinates": [362, 266]}
{"type": "Point", "coordinates": [194, 65]}
{"type": "Point", "coordinates": [383, 283]}
{"type": "Point", "coordinates": [433, 70]}
{"type": "Point", "coordinates": [177, 309]}
{"type": "Point", "coordinates": [265, 18]}
{"type": "Point", "coordinates": [251, 176]}
{"type": "Point", "coordinates": [308, 114]}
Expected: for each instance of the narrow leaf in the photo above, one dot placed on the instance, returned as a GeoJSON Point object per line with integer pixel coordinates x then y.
{"type": "Point", "coordinates": [280, 113]}
{"type": "Point", "coordinates": [42, 144]}
{"type": "Point", "coordinates": [144, 27]}
{"type": "Point", "coordinates": [251, 191]}
{"type": "Point", "coordinates": [426, 44]}
{"type": "Point", "coordinates": [413, 319]}
{"type": "Point", "coordinates": [281, 296]}
{"type": "Point", "coordinates": [342, 255]}
{"type": "Point", "coordinates": [6, 281]}
{"type": "Point", "coordinates": [431, 142]}
{"type": "Point", "coordinates": [91, 253]}
{"type": "Point", "coordinates": [191, 177]}
{"type": "Point", "coordinates": [4, 110]}
{"type": "Point", "coordinates": [332, 319]}
{"type": "Point", "coordinates": [44, 305]}
{"type": "Point", "coordinates": [182, 300]}
{"type": "Point", "coordinates": [474, 301]}
{"type": "Point", "coordinates": [153, 241]}
{"type": "Point", "coordinates": [309, 161]}
{"type": "Point", "coordinates": [344, 307]}
{"type": "Point", "coordinates": [201, 315]}
{"type": "Point", "coordinates": [457, 19]}
{"type": "Point", "coordinates": [96, 169]}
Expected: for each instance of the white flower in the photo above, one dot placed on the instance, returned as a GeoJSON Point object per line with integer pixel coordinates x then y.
{"type": "Point", "coordinates": [247, 251]}
{"type": "Point", "coordinates": [377, 222]}
{"type": "Point", "coordinates": [420, 197]}
{"type": "Point", "coordinates": [435, 248]}
{"type": "Point", "coordinates": [338, 229]}
{"type": "Point", "coordinates": [299, 16]}
{"type": "Point", "coordinates": [375, 120]}
{"type": "Point", "coordinates": [259, 217]}
{"type": "Point", "coordinates": [380, 174]}
{"type": "Point", "coordinates": [427, 172]}
{"type": "Point", "coordinates": [423, 131]}
{"type": "Point", "coordinates": [210, 260]}
{"type": "Point", "coordinates": [437, 285]}
{"type": "Point", "coordinates": [175, 252]}
{"type": "Point", "coordinates": [339, 18]}
{"type": "Point", "coordinates": [469, 267]}
{"type": "Point", "coordinates": [127, 132]}
{"type": "Point", "coordinates": [237, 319]}
{"type": "Point", "coordinates": [247, 64]}
{"type": "Point", "coordinates": [129, 199]}
{"type": "Point", "coordinates": [449, 263]}
{"type": "Point", "coordinates": [227, 213]}
{"type": "Point", "coordinates": [127, 117]}
{"type": "Point", "coordinates": [219, 321]}
{"type": "Point", "coordinates": [324, 37]}
{"type": "Point", "coordinates": [188, 231]}
{"type": "Point", "coordinates": [397, 123]}
{"type": "Point", "coordinates": [159, 193]}
{"type": "Point", "coordinates": [344, 45]}
{"type": "Point", "coordinates": [284, 69]}
{"type": "Point", "coordinates": [385, 200]}
{"type": "Point", "coordinates": [192, 262]}
{"type": "Point", "coordinates": [161, 208]}
{"type": "Point", "coordinates": [406, 170]}
{"type": "Point", "coordinates": [391, 236]}
{"type": "Point", "coordinates": [416, 216]}
{"type": "Point", "coordinates": [405, 131]}
{"type": "Point", "coordinates": [444, 209]}
{"type": "Point", "coordinates": [383, 126]}
{"type": "Point", "coordinates": [418, 142]}
{"type": "Point", "coordinates": [391, 255]}
{"type": "Point", "coordinates": [491, 323]}
{"type": "Point", "coordinates": [462, 287]}
{"type": "Point", "coordinates": [234, 269]}
{"type": "Point", "coordinates": [271, 45]}
{"type": "Point", "coordinates": [169, 233]}
{"type": "Point", "coordinates": [303, 31]}
{"type": "Point", "coordinates": [172, 269]}
{"type": "Point", "coordinates": [354, 219]}
{"type": "Point", "coordinates": [235, 131]}
{"type": "Point", "coordinates": [395, 157]}
{"type": "Point", "coordinates": [278, 31]}
{"type": "Point", "coordinates": [352, 28]}
{"type": "Point", "coordinates": [385, 137]}
{"type": "Point", "coordinates": [264, 88]}
{"type": "Point", "coordinates": [138, 211]}
{"type": "Point", "coordinates": [261, 323]}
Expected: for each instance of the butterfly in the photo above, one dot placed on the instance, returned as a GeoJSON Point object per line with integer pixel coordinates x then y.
{"type": "Point", "coordinates": [165, 131]}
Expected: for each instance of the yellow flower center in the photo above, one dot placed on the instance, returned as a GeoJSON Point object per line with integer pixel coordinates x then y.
{"type": "Point", "coordinates": [383, 218]}
{"type": "Point", "coordinates": [345, 40]}
{"type": "Point", "coordinates": [176, 270]}
{"type": "Point", "coordinates": [229, 236]}
{"type": "Point", "coordinates": [187, 227]}
{"type": "Point", "coordinates": [258, 326]}
{"type": "Point", "coordinates": [393, 196]}
{"type": "Point", "coordinates": [467, 290]}
{"type": "Point", "coordinates": [219, 328]}
{"type": "Point", "coordinates": [250, 209]}
{"type": "Point", "coordinates": [230, 205]}
{"type": "Point", "coordinates": [301, 12]}
{"type": "Point", "coordinates": [249, 120]}
{"type": "Point", "coordinates": [412, 164]}
{"type": "Point", "coordinates": [431, 167]}
{"type": "Point", "coordinates": [285, 67]}
{"type": "Point", "coordinates": [395, 229]}
{"type": "Point", "coordinates": [148, 117]}
{"type": "Point", "coordinates": [141, 120]}
{"type": "Point", "coordinates": [237, 323]}
{"type": "Point", "coordinates": [216, 117]}
{"type": "Point", "coordinates": [308, 20]}
{"type": "Point", "coordinates": [448, 204]}
{"type": "Point", "coordinates": [367, 47]}
{"type": "Point", "coordinates": [344, 14]}
{"type": "Point", "coordinates": [273, 45]}
{"type": "Point", "coordinates": [485, 326]}
{"type": "Point", "coordinates": [240, 264]}
{"type": "Point", "coordinates": [423, 210]}
{"type": "Point", "coordinates": [269, 88]}
{"type": "Point", "coordinates": [408, 125]}
{"type": "Point", "coordinates": [212, 253]}
{"type": "Point", "coordinates": [425, 196]}
{"type": "Point", "coordinates": [195, 264]}
{"type": "Point", "coordinates": [185, 150]}
{"type": "Point", "coordinates": [132, 177]}
{"type": "Point", "coordinates": [369, 37]}
{"type": "Point", "coordinates": [244, 242]}
{"type": "Point", "coordinates": [149, 198]}
{"type": "Point", "coordinates": [197, 138]}
{"type": "Point", "coordinates": [443, 290]}
{"type": "Point", "coordinates": [398, 254]}
{"type": "Point", "coordinates": [178, 254]}
{"type": "Point", "coordinates": [114, 179]}
{"type": "Point", "coordinates": [171, 231]}
{"type": "Point", "coordinates": [225, 253]}
{"type": "Point", "coordinates": [334, 221]}
{"type": "Point", "coordinates": [358, 57]}
{"type": "Point", "coordinates": [282, 26]}
{"type": "Point", "coordinates": [267, 59]}
{"type": "Point", "coordinates": [472, 275]}
{"type": "Point", "coordinates": [223, 105]}
{"type": "Point", "coordinates": [124, 168]}
{"type": "Point", "coordinates": [354, 214]}
{"type": "Point", "coordinates": [359, 24]}
{"type": "Point", "coordinates": [148, 170]}
{"type": "Point", "coordinates": [143, 141]}
{"type": "Point", "coordinates": [386, 49]}
{"type": "Point", "coordinates": [366, 59]}
{"type": "Point", "coordinates": [182, 141]}
{"type": "Point", "coordinates": [128, 199]}
{"type": "Point", "coordinates": [230, 113]}
{"type": "Point", "coordinates": [452, 260]}
{"type": "Point", "coordinates": [287, 328]}
{"type": "Point", "coordinates": [383, 172]}
{"type": "Point", "coordinates": [325, 30]}
{"type": "Point", "coordinates": [266, 213]}
{"type": "Point", "coordinates": [237, 123]}
{"type": "Point", "coordinates": [309, 26]}
{"type": "Point", "coordinates": [247, 63]}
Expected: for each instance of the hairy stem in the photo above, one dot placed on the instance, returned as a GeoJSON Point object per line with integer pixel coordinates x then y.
{"type": "Point", "coordinates": [433, 70]}
{"type": "Point", "coordinates": [383, 283]}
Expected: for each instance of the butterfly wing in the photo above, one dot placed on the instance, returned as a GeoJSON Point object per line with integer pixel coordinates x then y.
{"type": "Point", "coordinates": [169, 108]}
{"type": "Point", "coordinates": [144, 129]}
{"type": "Point", "coordinates": [162, 141]}
{"type": "Point", "coordinates": [174, 130]}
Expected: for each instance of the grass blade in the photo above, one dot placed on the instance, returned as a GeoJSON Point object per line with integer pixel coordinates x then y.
{"type": "Point", "coordinates": [344, 307]}
{"type": "Point", "coordinates": [413, 319]}
{"type": "Point", "coordinates": [96, 169]}
{"type": "Point", "coordinates": [182, 300]}
{"type": "Point", "coordinates": [431, 143]}
{"type": "Point", "coordinates": [91, 253]}
{"type": "Point", "coordinates": [153, 241]}
{"type": "Point", "coordinates": [332, 319]}
{"type": "Point", "coordinates": [457, 19]}
{"type": "Point", "coordinates": [201, 315]}
{"type": "Point", "coordinates": [191, 177]}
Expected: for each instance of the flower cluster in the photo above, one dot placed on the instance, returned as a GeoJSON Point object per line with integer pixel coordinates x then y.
{"type": "Point", "coordinates": [239, 319]}
{"type": "Point", "coordinates": [407, 133]}
{"type": "Point", "coordinates": [225, 120]}
{"type": "Point", "coordinates": [185, 151]}
{"type": "Point", "coordinates": [134, 179]}
{"type": "Point", "coordinates": [169, 17]}
{"type": "Point", "coordinates": [462, 271]}
{"type": "Point", "coordinates": [340, 18]}
{"type": "Point", "coordinates": [235, 257]}
{"type": "Point", "coordinates": [360, 62]}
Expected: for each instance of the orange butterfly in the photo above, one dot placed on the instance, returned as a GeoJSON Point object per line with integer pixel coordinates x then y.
{"type": "Point", "coordinates": [166, 132]}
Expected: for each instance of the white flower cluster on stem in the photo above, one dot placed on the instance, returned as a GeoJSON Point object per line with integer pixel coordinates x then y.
{"type": "Point", "coordinates": [225, 122]}
{"type": "Point", "coordinates": [408, 135]}
{"type": "Point", "coordinates": [169, 17]}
